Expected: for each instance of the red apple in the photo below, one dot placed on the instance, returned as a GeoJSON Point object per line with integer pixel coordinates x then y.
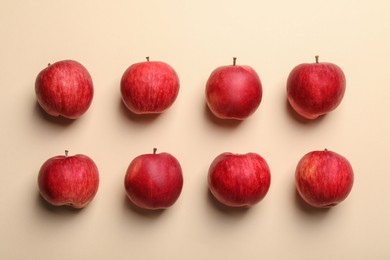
{"type": "Point", "coordinates": [68, 180]}
{"type": "Point", "coordinates": [233, 91]}
{"type": "Point", "coordinates": [239, 180]}
{"type": "Point", "coordinates": [64, 89]}
{"type": "Point", "coordinates": [314, 89]}
{"type": "Point", "coordinates": [149, 87]}
{"type": "Point", "coordinates": [324, 178]}
{"type": "Point", "coordinates": [154, 181]}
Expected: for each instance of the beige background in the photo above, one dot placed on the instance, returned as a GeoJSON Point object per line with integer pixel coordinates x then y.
{"type": "Point", "coordinates": [195, 37]}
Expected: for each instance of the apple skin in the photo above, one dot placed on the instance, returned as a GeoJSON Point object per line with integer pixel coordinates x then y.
{"type": "Point", "coordinates": [315, 89]}
{"type": "Point", "coordinates": [69, 180]}
{"type": "Point", "coordinates": [239, 180]}
{"type": "Point", "coordinates": [149, 87]}
{"type": "Point", "coordinates": [154, 181]}
{"type": "Point", "coordinates": [64, 89]}
{"type": "Point", "coordinates": [324, 178]}
{"type": "Point", "coordinates": [233, 91]}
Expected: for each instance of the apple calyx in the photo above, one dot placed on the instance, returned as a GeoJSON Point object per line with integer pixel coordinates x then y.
{"type": "Point", "coordinates": [234, 61]}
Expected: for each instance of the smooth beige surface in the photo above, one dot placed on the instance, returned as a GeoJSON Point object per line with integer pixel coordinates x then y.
{"type": "Point", "coordinates": [195, 37]}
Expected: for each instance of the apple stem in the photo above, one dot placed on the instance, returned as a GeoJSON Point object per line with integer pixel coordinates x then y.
{"type": "Point", "coordinates": [48, 64]}
{"type": "Point", "coordinates": [66, 153]}
{"type": "Point", "coordinates": [147, 58]}
{"type": "Point", "coordinates": [317, 57]}
{"type": "Point", "coordinates": [234, 61]}
{"type": "Point", "coordinates": [154, 150]}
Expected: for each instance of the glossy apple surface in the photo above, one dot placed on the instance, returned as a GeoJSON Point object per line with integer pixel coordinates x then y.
{"type": "Point", "coordinates": [324, 178]}
{"type": "Point", "coordinates": [314, 89]}
{"type": "Point", "coordinates": [233, 91]}
{"type": "Point", "coordinates": [64, 89]}
{"type": "Point", "coordinates": [239, 180]}
{"type": "Point", "coordinates": [68, 180]}
{"type": "Point", "coordinates": [154, 181]}
{"type": "Point", "coordinates": [149, 87]}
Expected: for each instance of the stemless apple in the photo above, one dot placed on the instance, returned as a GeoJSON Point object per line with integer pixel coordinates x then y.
{"type": "Point", "coordinates": [324, 178]}
{"type": "Point", "coordinates": [233, 91]}
{"type": "Point", "coordinates": [68, 180]}
{"type": "Point", "coordinates": [239, 180]}
{"type": "Point", "coordinates": [314, 89]}
{"type": "Point", "coordinates": [64, 89]}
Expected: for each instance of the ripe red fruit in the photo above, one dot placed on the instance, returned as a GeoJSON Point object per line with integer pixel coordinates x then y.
{"type": "Point", "coordinates": [149, 87]}
{"type": "Point", "coordinates": [239, 180]}
{"type": "Point", "coordinates": [68, 180]}
{"type": "Point", "coordinates": [233, 92]}
{"type": "Point", "coordinates": [154, 181]}
{"type": "Point", "coordinates": [314, 89]}
{"type": "Point", "coordinates": [65, 89]}
{"type": "Point", "coordinates": [324, 178]}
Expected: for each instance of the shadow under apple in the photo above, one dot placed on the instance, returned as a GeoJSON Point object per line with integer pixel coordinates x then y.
{"type": "Point", "coordinates": [59, 120]}
{"type": "Point", "coordinates": [223, 209]}
{"type": "Point", "coordinates": [57, 210]}
{"type": "Point", "coordinates": [144, 118]}
{"type": "Point", "coordinates": [306, 208]}
{"type": "Point", "coordinates": [300, 119]}
{"type": "Point", "coordinates": [148, 213]}
{"type": "Point", "coordinates": [230, 123]}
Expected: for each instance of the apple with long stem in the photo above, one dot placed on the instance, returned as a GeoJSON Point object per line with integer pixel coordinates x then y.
{"type": "Point", "coordinates": [154, 181]}
{"type": "Point", "coordinates": [233, 91]}
{"type": "Point", "coordinates": [68, 180]}
{"type": "Point", "coordinates": [65, 89]}
{"type": "Point", "coordinates": [149, 87]}
{"type": "Point", "coordinates": [315, 89]}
